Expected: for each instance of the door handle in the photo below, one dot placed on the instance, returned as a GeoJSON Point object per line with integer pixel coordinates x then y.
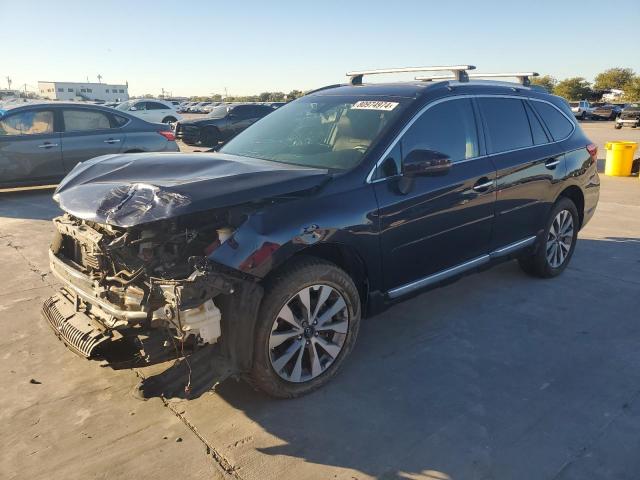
{"type": "Point", "coordinates": [483, 184]}
{"type": "Point", "coordinates": [112, 140]}
{"type": "Point", "coordinates": [48, 145]}
{"type": "Point", "coordinates": [552, 163]}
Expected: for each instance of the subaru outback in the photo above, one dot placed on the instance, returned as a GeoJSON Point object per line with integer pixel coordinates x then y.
{"type": "Point", "coordinates": [326, 211]}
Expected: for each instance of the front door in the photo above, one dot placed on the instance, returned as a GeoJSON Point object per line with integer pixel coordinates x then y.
{"type": "Point", "coordinates": [438, 222]}
{"type": "Point", "coordinates": [30, 149]}
{"type": "Point", "coordinates": [88, 133]}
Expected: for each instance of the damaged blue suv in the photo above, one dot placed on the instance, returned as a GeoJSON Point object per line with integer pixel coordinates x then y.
{"type": "Point", "coordinates": [269, 252]}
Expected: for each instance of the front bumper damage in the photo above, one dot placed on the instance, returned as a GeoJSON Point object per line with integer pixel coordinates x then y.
{"type": "Point", "coordinates": [91, 310]}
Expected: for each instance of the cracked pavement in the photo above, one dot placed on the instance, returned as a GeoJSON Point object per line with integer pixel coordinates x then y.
{"type": "Point", "coordinates": [496, 376]}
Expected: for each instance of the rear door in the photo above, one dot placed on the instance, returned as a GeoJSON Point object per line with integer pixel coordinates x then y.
{"type": "Point", "coordinates": [442, 221]}
{"type": "Point", "coordinates": [157, 112]}
{"type": "Point", "coordinates": [528, 165]}
{"type": "Point", "coordinates": [88, 133]}
{"type": "Point", "coordinates": [30, 148]}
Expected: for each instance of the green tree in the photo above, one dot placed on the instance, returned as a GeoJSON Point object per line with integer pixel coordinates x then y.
{"type": "Point", "coordinates": [632, 90]}
{"type": "Point", "coordinates": [546, 81]}
{"type": "Point", "coordinates": [576, 88]}
{"type": "Point", "coordinates": [293, 94]}
{"type": "Point", "coordinates": [613, 78]}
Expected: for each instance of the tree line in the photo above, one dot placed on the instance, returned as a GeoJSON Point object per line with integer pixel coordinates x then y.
{"type": "Point", "coordinates": [262, 97]}
{"type": "Point", "coordinates": [578, 88]}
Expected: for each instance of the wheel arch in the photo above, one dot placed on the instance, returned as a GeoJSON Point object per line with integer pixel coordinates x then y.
{"type": "Point", "coordinates": [344, 257]}
{"type": "Point", "coordinates": [575, 194]}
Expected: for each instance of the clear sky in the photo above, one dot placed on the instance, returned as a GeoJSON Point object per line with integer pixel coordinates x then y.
{"type": "Point", "coordinates": [201, 47]}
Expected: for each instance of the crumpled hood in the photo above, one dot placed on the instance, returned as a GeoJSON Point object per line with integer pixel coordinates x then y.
{"type": "Point", "coordinates": [131, 189]}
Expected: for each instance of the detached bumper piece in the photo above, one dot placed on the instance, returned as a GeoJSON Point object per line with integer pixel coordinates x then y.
{"type": "Point", "coordinates": [78, 331]}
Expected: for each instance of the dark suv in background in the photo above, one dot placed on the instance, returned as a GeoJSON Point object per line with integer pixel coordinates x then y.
{"type": "Point", "coordinates": [327, 210]}
{"type": "Point", "coordinates": [223, 123]}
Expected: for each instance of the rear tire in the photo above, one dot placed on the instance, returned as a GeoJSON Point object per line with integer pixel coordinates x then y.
{"type": "Point", "coordinates": [300, 343]}
{"type": "Point", "coordinates": [557, 243]}
{"type": "Point", "coordinates": [617, 126]}
{"type": "Point", "coordinates": [169, 120]}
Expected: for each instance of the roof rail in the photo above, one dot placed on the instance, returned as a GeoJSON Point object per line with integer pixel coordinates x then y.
{"type": "Point", "coordinates": [523, 77]}
{"type": "Point", "coordinates": [459, 72]}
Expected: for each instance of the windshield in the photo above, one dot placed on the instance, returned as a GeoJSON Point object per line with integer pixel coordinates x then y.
{"type": "Point", "coordinates": [325, 131]}
{"type": "Point", "coordinates": [218, 112]}
{"type": "Point", "coordinates": [124, 106]}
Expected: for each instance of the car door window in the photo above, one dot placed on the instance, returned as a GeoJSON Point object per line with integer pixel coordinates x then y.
{"type": "Point", "coordinates": [559, 126]}
{"type": "Point", "coordinates": [140, 106]}
{"type": "Point", "coordinates": [507, 123]}
{"type": "Point", "coordinates": [76, 120]}
{"type": "Point", "coordinates": [242, 112]}
{"type": "Point", "coordinates": [448, 127]}
{"type": "Point", "coordinates": [539, 135]}
{"type": "Point", "coordinates": [32, 122]}
{"type": "Point", "coordinates": [156, 106]}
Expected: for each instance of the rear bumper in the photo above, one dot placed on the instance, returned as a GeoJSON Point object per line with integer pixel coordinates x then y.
{"type": "Point", "coordinates": [189, 134]}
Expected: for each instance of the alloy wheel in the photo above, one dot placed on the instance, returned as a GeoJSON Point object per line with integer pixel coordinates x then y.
{"type": "Point", "coordinates": [560, 238]}
{"type": "Point", "coordinates": [308, 333]}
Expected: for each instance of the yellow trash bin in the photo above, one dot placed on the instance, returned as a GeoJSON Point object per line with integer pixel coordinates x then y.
{"type": "Point", "coordinates": [619, 158]}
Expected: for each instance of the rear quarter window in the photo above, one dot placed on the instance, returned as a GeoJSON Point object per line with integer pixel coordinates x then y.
{"type": "Point", "coordinates": [559, 126]}
{"type": "Point", "coordinates": [507, 123]}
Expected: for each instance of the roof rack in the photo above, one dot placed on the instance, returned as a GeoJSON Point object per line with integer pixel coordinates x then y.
{"type": "Point", "coordinates": [459, 72]}
{"type": "Point", "coordinates": [523, 77]}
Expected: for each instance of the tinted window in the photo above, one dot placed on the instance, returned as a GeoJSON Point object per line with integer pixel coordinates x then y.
{"type": "Point", "coordinates": [539, 135]}
{"type": "Point", "coordinates": [27, 123]}
{"type": "Point", "coordinates": [121, 121]}
{"type": "Point", "coordinates": [448, 127]}
{"type": "Point", "coordinates": [156, 106]}
{"type": "Point", "coordinates": [243, 111]}
{"type": "Point", "coordinates": [83, 120]}
{"type": "Point", "coordinates": [507, 123]}
{"type": "Point", "coordinates": [559, 126]}
{"type": "Point", "coordinates": [140, 105]}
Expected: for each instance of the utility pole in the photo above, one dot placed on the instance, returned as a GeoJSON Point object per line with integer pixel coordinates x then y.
{"type": "Point", "coordinates": [99, 78]}
{"type": "Point", "coordinates": [9, 81]}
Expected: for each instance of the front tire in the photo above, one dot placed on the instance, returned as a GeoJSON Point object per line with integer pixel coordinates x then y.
{"type": "Point", "coordinates": [618, 126]}
{"type": "Point", "coordinates": [306, 328]}
{"type": "Point", "coordinates": [169, 120]}
{"type": "Point", "coordinates": [557, 243]}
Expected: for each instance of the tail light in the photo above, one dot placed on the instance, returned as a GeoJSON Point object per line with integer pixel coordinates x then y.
{"type": "Point", "coordinates": [593, 151]}
{"type": "Point", "coordinates": [170, 136]}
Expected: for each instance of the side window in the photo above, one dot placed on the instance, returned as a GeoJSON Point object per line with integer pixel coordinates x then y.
{"type": "Point", "coordinates": [241, 111]}
{"type": "Point", "coordinates": [84, 120]}
{"type": "Point", "coordinates": [27, 123]}
{"type": "Point", "coordinates": [156, 106]}
{"type": "Point", "coordinates": [507, 123]}
{"type": "Point", "coordinates": [120, 121]}
{"type": "Point", "coordinates": [448, 127]}
{"type": "Point", "coordinates": [559, 126]}
{"type": "Point", "coordinates": [539, 135]}
{"type": "Point", "coordinates": [140, 106]}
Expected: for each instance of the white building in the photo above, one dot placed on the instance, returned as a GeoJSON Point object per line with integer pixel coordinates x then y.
{"type": "Point", "coordinates": [83, 91]}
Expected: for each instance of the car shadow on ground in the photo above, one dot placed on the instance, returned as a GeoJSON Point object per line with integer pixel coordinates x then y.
{"type": "Point", "coordinates": [28, 204]}
{"type": "Point", "coordinates": [490, 377]}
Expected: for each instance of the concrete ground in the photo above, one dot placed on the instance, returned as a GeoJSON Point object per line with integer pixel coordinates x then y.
{"type": "Point", "coordinates": [499, 376]}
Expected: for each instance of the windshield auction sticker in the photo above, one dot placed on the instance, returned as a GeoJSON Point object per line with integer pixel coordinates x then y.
{"type": "Point", "coordinates": [374, 105]}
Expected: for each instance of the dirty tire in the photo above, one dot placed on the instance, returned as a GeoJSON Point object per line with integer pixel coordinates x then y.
{"type": "Point", "coordinates": [537, 264]}
{"type": "Point", "coordinates": [279, 290]}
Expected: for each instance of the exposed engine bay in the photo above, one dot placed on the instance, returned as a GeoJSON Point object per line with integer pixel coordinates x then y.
{"type": "Point", "coordinates": [157, 275]}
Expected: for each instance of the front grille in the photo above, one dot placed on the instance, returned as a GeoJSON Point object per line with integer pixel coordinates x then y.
{"type": "Point", "coordinates": [77, 330]}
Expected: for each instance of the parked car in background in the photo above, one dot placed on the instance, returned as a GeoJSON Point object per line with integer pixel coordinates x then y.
{"type": "Point", "coordinates": [151, 110]}
{"type": "Point", "coordinates": [581, 109]}
{"type": "Point", "coordinates": [630, 116]}
{"type": "Point", "coordinates": [210, 107]}
{"type": "Point", "coordinates": [41, 143]}
{"type": "Point", "coordinates": [223, 123]}
{"type": "Point", "coordinates": [327, 210]}
{"type": "Point", "coordinates": [605, 112]}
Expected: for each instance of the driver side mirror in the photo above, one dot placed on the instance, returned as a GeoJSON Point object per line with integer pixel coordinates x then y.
{"type": "Point", "coordinates": [420, 163]}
